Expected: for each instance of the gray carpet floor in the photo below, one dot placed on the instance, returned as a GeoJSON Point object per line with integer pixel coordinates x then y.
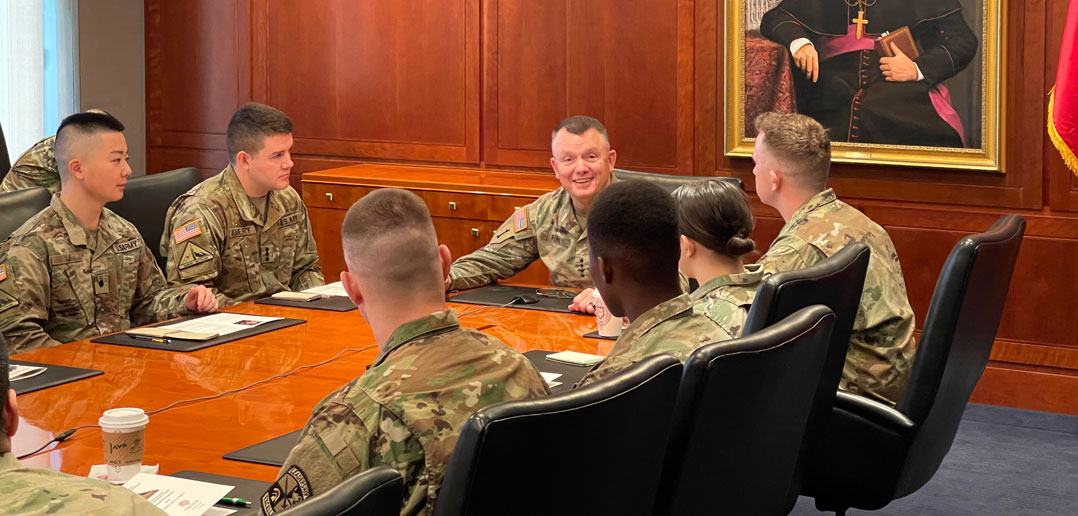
{"type": "Point", "coordinates": [1003, 462]}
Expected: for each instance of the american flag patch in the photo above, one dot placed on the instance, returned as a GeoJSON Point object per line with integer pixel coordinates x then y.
{"type": "Point", "coordinates": [520, 219]}
{"type": "Point", "coordinates": [3, 271]}
{"type": "Point", "coordinates": [190, 230]}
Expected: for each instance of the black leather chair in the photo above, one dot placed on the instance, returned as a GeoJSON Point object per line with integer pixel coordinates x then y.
{"type": "Point", "coordinates": [836, 283]}
{"type": "Point", "coordinates": [740, 416]}
{"type": "Point", "coordinates": [5, 160]}
{"type": "Point", "coordinates": [377, 491]}
{"type": "Point", "coordinates": [870, 454]}
{"type": "Point", "coordinates": [670, 182]}
{"type": "Point", "coordinates": [146, 201]}
{"type": "Point", "coordinates": [17, 207]}
{"type": "Point", "coordinates": [594, 450]}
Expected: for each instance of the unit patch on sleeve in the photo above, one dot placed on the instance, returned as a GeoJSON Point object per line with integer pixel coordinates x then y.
{"type": "Point", "coordinates": [193, 255]}
{"type": "Point", "coordinates": [188, 231]}
{"type": "Point", "coordinates": [287, 491]}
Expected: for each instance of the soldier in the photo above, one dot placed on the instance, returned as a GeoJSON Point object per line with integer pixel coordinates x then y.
{"type": "Point", "coordinates": [245, 232]}
{"type": "Point", "coordinates": [37, 167]}
{"type": "Point", "coordinates": [633, 245]}
{"type": "Point", "coordinates": [554, 227]}
{"type": "Point", "coordinates": [76, 269]}
{"type": "Point", "coordinates": [793, 155]}
{"type": "Point", "coordinates": [26, 490]}
{"type": "Point", "coordinates": [715, 223]}
{"type": "Point", "coordinates": [407, 409]}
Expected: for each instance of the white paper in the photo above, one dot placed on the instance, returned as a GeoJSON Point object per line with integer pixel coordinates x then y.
{"type": "Point", "coordinates": [177, 496]}
{"type": "Point", "coordinates": [553, 384]}
{"type": "Point", "coordinates": [22, 372]}
{"type": "Point", "coordinates": [332, 289]}
{"type": "Point", "coordinates": [550, 377]}
{"type": "Point", "coordinates": [575, 358]}
{"type": "Point", "coordinates": [100, 472]}
{"type": "Point", "coordinates": [221, 324]}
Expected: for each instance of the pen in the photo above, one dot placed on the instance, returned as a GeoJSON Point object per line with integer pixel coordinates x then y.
{"type": "Point", "coordinates": [151, 339]}
{"type": "Point", "coordinates": [238, 502]}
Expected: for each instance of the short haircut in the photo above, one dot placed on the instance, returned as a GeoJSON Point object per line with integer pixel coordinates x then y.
{"type": "Point", "coordinates": [249, 127]}
{"type": "Point", "coordinates": [388, 234]}
{"type": "Point", "coordinates": [635, 223]}
{"type": "Point", "coordinates": [77, 127]}
{"type": "Point", "coordinates": [716, 214]}
{"type": "Point", "coordinates": [800, 143]}
{"type": "Point", "coordinates": [5, 380]}
{"type": "Point", "coordinates": [579, 125]}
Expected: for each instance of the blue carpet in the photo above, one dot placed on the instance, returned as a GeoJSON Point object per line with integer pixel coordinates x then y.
{"type": "Point", "coordinates": [1003, 462]}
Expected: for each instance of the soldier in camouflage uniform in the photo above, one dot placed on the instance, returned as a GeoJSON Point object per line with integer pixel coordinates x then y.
{"type": "Point", "coordinates": [245, 232]}
{"type": "Point", "coordinates": [726, 299]}
{"type": "Point", "coordinates": [407, 409]}
{"type": "Point", "coordinates": [76, 270]}
{"type": "Point", "coordinates": [36, 167]}
{"type": "Point", "coordinates": [818, 225]}
{"type": "Point", "coordinates": [26, 490]}
{"type": "Point", "coordinates": [634, 257]}
{"type": "Point", "coordinates": [554, 227]}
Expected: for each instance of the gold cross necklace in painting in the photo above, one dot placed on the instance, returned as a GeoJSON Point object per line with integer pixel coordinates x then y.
{"type": "Point", "coordinates": [860, 20]}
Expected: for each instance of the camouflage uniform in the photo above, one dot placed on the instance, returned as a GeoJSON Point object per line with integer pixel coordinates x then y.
{"type": "Point", "coordinates": [226, 245]}
{"type": "Point", "coordinates": [72, 285]}
{"type": "Point", "coordinates": [36, 167]}
{"type": "Point", "coordinates": [882, 345]}
{"type": "Point", "coordinates": [726, 299]}
{"type": "Point", "coordinates": [44, 491]}
{"type": "Point", "coordinates": [671, 327]}
{"type": "Point", "coordinates": [546, 229]}
{"type": "Point", "coordinates": [406, 411]}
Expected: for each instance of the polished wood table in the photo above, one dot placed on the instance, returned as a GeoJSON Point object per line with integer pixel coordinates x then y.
{"type": "Point", "coordinates": [196, 435]}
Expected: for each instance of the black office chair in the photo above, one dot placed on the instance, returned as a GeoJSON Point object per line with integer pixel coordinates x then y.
{"type": "Point", "coordinates": [17, 207]}
{"type": "Point", "coordinates": [594, 450]}
{"type": "Point", "coordinates": [5, 160]}
{"type": "Point", "coordinates": [377, 491]}
{"type": "Point", "coordinates": [870, 454]}
{"type": "Point", "coordinates": [146, 201]}
{"type": "Point", "coordinates": [836, 283]}
{"type": "Point", "coordinates": [670, 182]}
{"type": "Point", "coordinates": [740, 416]}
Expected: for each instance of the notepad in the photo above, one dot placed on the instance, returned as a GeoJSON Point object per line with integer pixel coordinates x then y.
{"type": "Point", "coordinates": [297, 296]}
{"type": "Point", "coordinates": [164, 332]}
{"type": "Point", "coordinates": [575, 358]}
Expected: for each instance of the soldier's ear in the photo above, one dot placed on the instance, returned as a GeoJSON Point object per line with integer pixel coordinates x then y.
{"type": "Point", "coordinates": [351, 286]}
{"type": "Point", "coordinates": [11, 414]}
{"type": "Point", "coordinates": [604, 272]}
{"type": "Point", "coordinates": [447, 260]}
{"type": "Point", "coordinates": [74, 169]}
{"type": "Point", "coordinates": [774, 178]}
{"type": "Point", "coordinates": [688, 247]}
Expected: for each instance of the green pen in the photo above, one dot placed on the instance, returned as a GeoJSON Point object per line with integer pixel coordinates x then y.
{"type": "Point", "coordinates": [238, 502]}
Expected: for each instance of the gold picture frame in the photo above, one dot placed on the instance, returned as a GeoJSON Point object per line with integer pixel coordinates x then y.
{"type": "Point", "coordinates": [987, 156]}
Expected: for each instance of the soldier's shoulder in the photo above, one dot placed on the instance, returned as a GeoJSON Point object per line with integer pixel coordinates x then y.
{"type": "Point", "coordinates": [45, 226]}
{"type": "Point", "coordinates": [118, 224]}
{"type": "Point", "coordinates": [65, 494]}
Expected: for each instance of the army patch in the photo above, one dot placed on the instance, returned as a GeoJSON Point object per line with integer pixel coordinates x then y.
{"type": "Point", "coordinates": [520, 220]}
{"type": "Point", "coordinates": [124, 247]}
{"type": "Point", "coordinates": [7, 301]}
{"type": "Point", "coordinates": [241, 232]}
{"type": "Point", "coordinates": [3, 271]}
{"type": "Point", "coordinates": [188, 231]}
{"type": "Point", "coordinates": [291, 488]}
{"type": "Point", "coordinates": [289, 219]}
{"type": "Point", "coordinates": [193, 255]}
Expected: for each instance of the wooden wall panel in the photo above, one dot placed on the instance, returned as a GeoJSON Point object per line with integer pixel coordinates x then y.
{"type": "Point", "coordinates": [627, 62]}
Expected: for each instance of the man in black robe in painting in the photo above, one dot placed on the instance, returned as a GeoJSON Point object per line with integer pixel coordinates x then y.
{"type": "Point", "coordinates": [859, 96]}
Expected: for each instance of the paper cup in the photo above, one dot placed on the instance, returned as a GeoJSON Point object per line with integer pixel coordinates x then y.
{"type": "Point", "coordinates": [123, 433]}
{"type": "Point", "coordinates": [608, 325]}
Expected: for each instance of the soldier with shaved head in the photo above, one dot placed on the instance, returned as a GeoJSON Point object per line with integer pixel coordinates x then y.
{"type": "Point", "coordinates": [407, 409]}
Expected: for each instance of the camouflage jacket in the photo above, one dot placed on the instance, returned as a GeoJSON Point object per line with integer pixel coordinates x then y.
{"type": "Point", "coordinates": [44, 491]}
{"type": "Point", "coordinates": [726, 299]}
{"type": "Point", "coordinates": [58, 283]}
{"type": "Point", "coordinates": [670, 327]}
{"type": "Point", "coordinates": [882, 345]}
{"type": "Point", "coordinates": [546, 229]}
{"type": "Point", "coordinates": [36, 167]}
{"type": "Point", "coordinates": [215, 236]}
{"type": "Point", "coordinates": [406, 411]}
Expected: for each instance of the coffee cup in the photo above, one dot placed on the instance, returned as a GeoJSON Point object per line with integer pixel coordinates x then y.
{"type": "Point", "coordinates": [608, 325]}
{"type": "Point", "coordinates": [123, 432]}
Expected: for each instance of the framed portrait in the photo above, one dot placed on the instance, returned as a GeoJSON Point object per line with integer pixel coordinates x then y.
{"type": "Point", "coordinates": [910, 82]}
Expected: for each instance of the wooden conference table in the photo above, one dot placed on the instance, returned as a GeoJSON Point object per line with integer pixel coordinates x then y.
{"type": "Point", "coordinates": [194, 436]}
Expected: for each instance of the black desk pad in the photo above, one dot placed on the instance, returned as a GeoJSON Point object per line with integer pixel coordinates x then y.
{"type": "Point", "coordinates": [570, 374]}
{"type": "Point", "coordinates": [595, 335]}
{"type": "Point", "coordinates": [271, 453]}
{"type": "Point", "coordinates": [331, 303]}
{"type": "Point", "coordinates": [54, 375]}
{"type": "Point", "coordinates": [250, 490]}
{"type": "Point", "coordinates": [500, 295]}
{"type": "Point", "coordinates": [122, 339]}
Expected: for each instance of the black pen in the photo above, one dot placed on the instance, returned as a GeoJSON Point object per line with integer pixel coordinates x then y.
{"type": "Point", "coordinates": [238, 502]}
{"type": "Point", "coordinates": [151, 339]}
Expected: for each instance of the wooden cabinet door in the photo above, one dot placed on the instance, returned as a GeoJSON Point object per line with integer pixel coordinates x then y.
{"type": "Point", "coordinates": [326, 227]}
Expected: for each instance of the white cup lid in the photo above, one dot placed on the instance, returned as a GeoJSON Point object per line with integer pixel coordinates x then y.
{"type": "Point", "coordinates": [124, 418]}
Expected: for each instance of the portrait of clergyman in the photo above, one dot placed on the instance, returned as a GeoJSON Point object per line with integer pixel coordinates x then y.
{"type": "Point", "coordinates": [883, 73]}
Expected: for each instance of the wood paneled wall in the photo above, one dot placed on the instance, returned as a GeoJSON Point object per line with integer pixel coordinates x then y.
{"type": "Point", "coordinates": [482, 82]}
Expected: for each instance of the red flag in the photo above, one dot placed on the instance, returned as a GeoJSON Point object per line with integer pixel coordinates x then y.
{"type": "Point", "coordinates": [1063, 101]}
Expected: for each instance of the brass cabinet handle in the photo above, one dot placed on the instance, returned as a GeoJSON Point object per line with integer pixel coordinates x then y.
{"type": "Point", "coordinates": [452, 206]}
{"type": "Point", "coordinates": [329, 196]}
{"type": "Point", "coordinates": [475, 232]}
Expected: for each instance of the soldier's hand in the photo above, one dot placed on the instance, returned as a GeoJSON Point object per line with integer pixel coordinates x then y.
{"type": "Point", "coordinates": [808, 61]}
{"type": "Point", "coordinates": [200, 300]}
{"type": "Point", "coordinates": [583, 302]}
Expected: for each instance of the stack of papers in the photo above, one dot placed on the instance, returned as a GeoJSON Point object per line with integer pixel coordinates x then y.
{"type": "Point", "coordinates": [332, 289]}
{"type": "Point", "coordinates": [22, 372]}
{"type": "Point", "coordinates": [549, 379]}
{"type": "Point", "coordinates": [574, 358]}
{"type": "Point", "coordinates": [180, 496]}
{"type": "Point", "coordinates": [221, 324]}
